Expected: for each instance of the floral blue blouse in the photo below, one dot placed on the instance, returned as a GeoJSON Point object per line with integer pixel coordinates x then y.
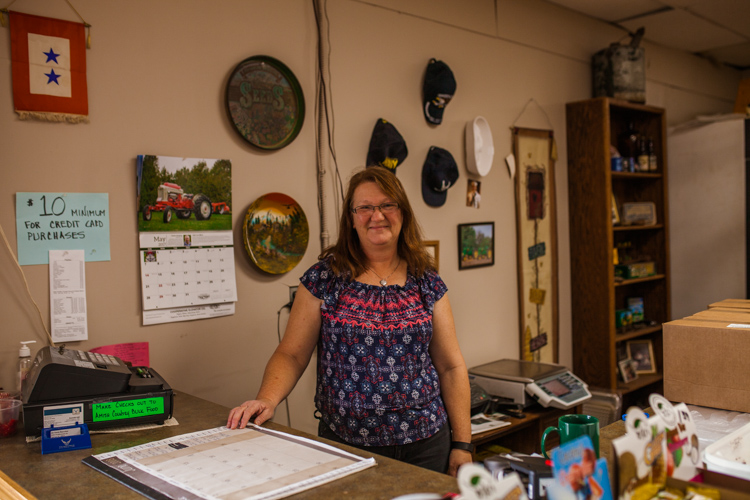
{"type": "Point", "coordinates": [376, 384]}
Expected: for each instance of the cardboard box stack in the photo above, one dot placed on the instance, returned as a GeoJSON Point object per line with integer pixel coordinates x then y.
{"type": "Point", "coordinates": [707, 357]}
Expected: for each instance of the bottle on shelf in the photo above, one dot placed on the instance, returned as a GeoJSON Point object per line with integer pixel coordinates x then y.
{"type": "Point", "coordinates": [652, 161]}
{"type": "Point", "coordinates": [643, 163]}
{"type": "Point", "coordinates": [629, 148]}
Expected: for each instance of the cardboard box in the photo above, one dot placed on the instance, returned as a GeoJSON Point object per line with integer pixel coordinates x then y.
{"type": "Point", "coordinates": [732, 303]}
{"type": "Point", "coordinates": [700, 320]}
{"type": "Point", "coordinates": [735, 310]}
{"type": "Point", "coordinates": [706, 363]}
{"type": "Point", "coordinates": [731, 488]}
{"type": "Point", "coordinates": [721, 314]}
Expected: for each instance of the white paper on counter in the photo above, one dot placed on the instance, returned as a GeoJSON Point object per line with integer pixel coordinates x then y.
{"type": "Point", "coordinates": [253, 463]}
{"type": "Point", "coordinates": [67, 297]}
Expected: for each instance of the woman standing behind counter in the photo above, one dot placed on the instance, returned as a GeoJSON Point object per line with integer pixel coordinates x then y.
{"type": "Point", "coordinates": [391, 378]}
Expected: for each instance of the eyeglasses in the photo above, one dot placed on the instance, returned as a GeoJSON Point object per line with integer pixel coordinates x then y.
{"type": "Point", "coordinates": [367, 210]}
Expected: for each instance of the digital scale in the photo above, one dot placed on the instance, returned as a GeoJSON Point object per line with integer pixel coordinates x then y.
{"type": "Point", "coordinates": [526, 382]}
{"type": "Point", "coordinates": [63, 383]}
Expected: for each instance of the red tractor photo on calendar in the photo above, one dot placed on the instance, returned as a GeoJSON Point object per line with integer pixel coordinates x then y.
{"type": "Point", "coordinates": [173, 190]}
{"type": "Point", "coordinates": [171, 200]}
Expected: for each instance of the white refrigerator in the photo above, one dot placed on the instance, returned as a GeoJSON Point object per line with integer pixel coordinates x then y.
{"type": "Point", "coordinates": [707, 212]}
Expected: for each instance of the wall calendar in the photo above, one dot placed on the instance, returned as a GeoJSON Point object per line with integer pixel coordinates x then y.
{"type": "Point", "coordinates": [185, 238]}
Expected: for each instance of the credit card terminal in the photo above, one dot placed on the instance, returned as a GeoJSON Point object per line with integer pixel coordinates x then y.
{"type": "Point", "coordinates": [562, 390]}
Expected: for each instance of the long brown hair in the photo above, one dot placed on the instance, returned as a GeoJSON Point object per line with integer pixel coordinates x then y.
{"type": "Point", "coordinates": [347, 256]}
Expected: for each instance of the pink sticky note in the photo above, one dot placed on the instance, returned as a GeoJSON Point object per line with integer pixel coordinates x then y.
{"type": "Point", "coordinates": [135, 352]}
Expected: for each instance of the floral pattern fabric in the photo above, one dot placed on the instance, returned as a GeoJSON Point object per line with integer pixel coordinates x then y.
{"type": "Point", "coordinates": [376, 384]}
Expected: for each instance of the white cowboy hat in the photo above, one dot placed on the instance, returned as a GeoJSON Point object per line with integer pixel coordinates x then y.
{"type": "Point", "coordinates": [479, 147]}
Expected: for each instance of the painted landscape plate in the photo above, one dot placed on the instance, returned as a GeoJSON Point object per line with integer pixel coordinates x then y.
{"type": "Point", "coordinates": [275, 233]}
{"type": "Point", "coordinates": [265, 102]}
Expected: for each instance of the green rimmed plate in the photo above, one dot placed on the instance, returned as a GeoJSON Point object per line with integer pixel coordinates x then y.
{"type": "Point", "coordinates": [265, 102]}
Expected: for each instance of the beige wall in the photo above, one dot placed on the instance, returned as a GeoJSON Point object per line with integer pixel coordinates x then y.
{"type": "Point", "coordinates": [156, 74]}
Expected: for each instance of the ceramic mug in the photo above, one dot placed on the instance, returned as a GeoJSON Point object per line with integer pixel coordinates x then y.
{"type": "Point", "coordinates": [574, 426]}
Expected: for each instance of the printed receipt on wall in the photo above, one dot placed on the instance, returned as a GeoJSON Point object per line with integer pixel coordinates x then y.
{"type": "Point", "coordinates": [67, 297]}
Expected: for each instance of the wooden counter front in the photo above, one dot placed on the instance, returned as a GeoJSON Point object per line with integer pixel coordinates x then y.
{"type": "Point", "coordinates": [62, 476]}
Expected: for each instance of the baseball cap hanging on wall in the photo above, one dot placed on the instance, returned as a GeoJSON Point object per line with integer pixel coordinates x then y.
{"type": "Point", "coordinates": [437, 92]}
{"type": "Point", "coordinates": [480, 150]}
{"type": "Point", "coordinates": [439, 173]}
{"type": "Point", "coordinates": [387, 147]}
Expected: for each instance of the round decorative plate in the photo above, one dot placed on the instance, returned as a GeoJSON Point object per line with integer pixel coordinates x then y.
{"type": "Point", "coordinates": [275, 233]}
{"type": "Point", "coordinates": [265, 102]}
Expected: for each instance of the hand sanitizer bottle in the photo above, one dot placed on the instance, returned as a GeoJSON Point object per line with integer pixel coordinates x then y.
{"type": "Point", "coordinates": [24, 364]}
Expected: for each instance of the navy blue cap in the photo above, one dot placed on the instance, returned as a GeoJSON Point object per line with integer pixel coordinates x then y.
{"type": "Point", "coordinates": [439, 173]}
{"type": "Point", "coordinates": [387, 147]}
{"type": "Point", "coordinates": [439, 87]}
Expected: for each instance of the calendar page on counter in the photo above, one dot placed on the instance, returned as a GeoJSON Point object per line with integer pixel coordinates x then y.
{"type": "Point", "coordinates": [221, 464]}
{"type": "Point", "coordinates": [185, 238]}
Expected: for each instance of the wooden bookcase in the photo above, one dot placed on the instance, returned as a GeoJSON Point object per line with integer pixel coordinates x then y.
{"type": "Point", "coordinates": [592, 127]}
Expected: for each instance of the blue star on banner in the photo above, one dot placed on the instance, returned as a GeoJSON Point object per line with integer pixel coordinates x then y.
{"type": "Point", "coordinates": [52, 77]}
{"type": "Point", "coordinates": [51, 56]}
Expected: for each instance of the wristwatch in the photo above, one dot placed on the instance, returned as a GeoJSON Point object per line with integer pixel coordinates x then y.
{"type": "Point", "coordinates": [461, 445]}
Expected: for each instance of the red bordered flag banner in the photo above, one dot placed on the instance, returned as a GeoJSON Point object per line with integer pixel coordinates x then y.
{"type": "Point", "coordinates": [49, 68]}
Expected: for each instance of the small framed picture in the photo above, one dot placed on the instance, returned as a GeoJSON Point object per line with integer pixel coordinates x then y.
{"type": "Point", "coordinates": [622, 351]}
{"type": "Point", "coordinates": [615, 212]}
{"type": "Point", "coordinates": [627, 370]}
{"type": "Point", "coordinates": [642, 352]}
{"type": "Point", "coordinates": [476, 245]}
{"type": "Point", "coordinates": [433, 248]}
{"type": "Point", "coordinates": [473, 193]}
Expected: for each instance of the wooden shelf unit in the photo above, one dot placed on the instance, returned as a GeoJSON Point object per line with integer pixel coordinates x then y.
{"type": "Point", "coordinates": [592, 127]}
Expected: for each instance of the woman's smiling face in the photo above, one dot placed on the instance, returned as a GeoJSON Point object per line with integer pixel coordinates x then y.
{"type": "Point", "coordinates": [379, 228]}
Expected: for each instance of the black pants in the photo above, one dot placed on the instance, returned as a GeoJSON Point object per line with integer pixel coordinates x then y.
{"type": "Point", "coordinates": [431, 453]}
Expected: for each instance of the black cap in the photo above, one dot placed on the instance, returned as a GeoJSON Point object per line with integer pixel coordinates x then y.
{"type": "Point", "coordinates": [387, 147]}
{"type": "Point", "coordinates": [438, 174]}
{"type": "Point", "coordinates": [438, 90]}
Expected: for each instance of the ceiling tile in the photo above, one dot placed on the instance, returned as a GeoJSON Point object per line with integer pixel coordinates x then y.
{"type": "Point", "coordinates": [735, 55]}
{"type": "Point", "coordinates": [681, 30]}
{"type": "Point", "coordinates": [684, 4]}
{"type": "Point", "coordinates": [717, 28]}
{"type": "Point", "coordinates": [611, 10]}
{"type": "Point", "coordinates": [733, 14]}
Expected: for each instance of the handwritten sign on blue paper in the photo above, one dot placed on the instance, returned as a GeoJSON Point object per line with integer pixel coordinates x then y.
{"type": "Point", "coordinates": [62, 221]}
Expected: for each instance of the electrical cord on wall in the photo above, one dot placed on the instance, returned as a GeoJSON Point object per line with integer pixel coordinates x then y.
{"type": "Point", "coordinates": [26, 283]}
{"type": "Point", "coordinates": [278, 334]}
{"type": "Point", "coordinates": [325, 126]}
